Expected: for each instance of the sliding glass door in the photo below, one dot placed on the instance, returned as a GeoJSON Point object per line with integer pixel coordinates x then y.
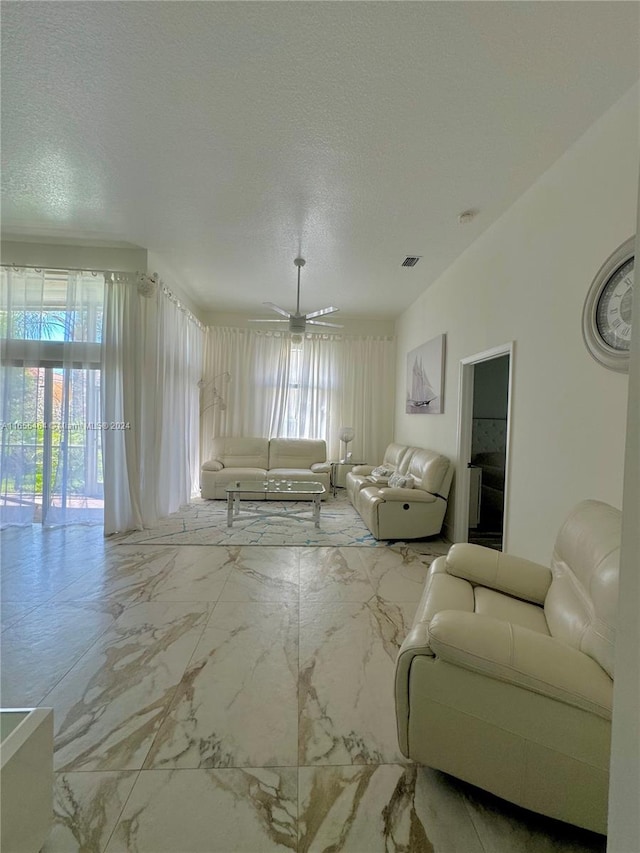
{"type": "Point", "coordinates": [50, 442]}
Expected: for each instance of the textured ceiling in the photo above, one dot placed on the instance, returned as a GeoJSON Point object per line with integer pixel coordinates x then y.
{"type": "Point", "coordinates": [230, 136]}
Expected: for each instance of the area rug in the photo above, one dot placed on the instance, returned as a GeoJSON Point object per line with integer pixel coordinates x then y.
{"type": "Point", "coordinates": [204, 522]}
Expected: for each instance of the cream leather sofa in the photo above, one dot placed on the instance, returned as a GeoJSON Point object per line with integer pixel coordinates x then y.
{"type": "Point", "coordinates": [260, 458]}
{"type": "Point", "coordinates": [505, 679]}
{"type": "Point", "coordinates": [392, 512]}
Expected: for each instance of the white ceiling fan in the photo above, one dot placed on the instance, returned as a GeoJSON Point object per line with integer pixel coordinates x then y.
{"type": "Point", "coordinates": [297, 321]}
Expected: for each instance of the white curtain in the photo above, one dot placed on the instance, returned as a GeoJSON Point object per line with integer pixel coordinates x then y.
{"type": "Point", "coordinates": [152, 356]}
{"type": "Point", "coordinates": [367, 396]}
{"type": "Point", "coordinates": [244, 384]}
{"type": "Point", "coordinates": [306, 389]}
{"type": "Point", "coordinates": [122, 402]}
{"type": "Point", "coordinates": [50, 452]}
{"type": "Point", "coordinates": [179, 369]}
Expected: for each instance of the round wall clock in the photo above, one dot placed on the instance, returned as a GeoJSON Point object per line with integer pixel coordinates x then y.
{"type": "Point", "coordinates": [606, 317]}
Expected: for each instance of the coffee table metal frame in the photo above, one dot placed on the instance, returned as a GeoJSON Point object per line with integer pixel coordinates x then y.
{"type": "Point", "coordinates": [303, 490]}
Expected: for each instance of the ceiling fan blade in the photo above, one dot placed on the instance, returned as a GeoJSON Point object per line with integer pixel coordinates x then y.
{"type": "Point", "coordinates": [320, 323]}
{"type": "Point", "coordinates": [277, 309]}
{"type": "Point", "coordinates": [261, 320]}
{"type": "Point", "coordinates": [322, 312]}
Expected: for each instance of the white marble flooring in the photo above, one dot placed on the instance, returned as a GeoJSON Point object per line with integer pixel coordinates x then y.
{"type": "Point", "coordinates": [217, 698]}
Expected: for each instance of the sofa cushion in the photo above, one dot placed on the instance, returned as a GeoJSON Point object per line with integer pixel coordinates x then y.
{"type": "Point", "coordinates": [428, 469]}
{"type": "Point", "coordinates": [296, 452]}
{"type": "Point", "coordinates": [304, 474]}
{"type": "Point", "coordinates": [212, 465]}
{"type": "Point", "coordinates": [582, 601]}
{"type": "Point", "coordinates": [243, 452]}
{"type": "Point", "coordinates": [228, 475]}
{"type": "Point", "coordinates": [394, 455]}
{"type": "Point", "coordinates": [488, 602]}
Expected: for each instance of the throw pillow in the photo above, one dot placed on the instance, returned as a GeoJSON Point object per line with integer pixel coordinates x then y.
{"type": "Point", "coordinates": [382, 471]}
{"type": "Point", "coordinates": [398, 481]}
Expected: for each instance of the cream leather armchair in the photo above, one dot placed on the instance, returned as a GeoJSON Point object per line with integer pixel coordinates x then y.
{"type": "Point", "coordinates": [505, 679]}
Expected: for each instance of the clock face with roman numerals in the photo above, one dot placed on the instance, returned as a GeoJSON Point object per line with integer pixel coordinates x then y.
{"type": "Point", "coordinates": [606, 318]}
{"type": "Point", "coordinates": [613, 313]}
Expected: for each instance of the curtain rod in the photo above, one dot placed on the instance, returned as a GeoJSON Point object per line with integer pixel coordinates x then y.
{"type": "Point", "coordinates": [151, 280]}
{"type": "Point", "coordinates": [68, 269]}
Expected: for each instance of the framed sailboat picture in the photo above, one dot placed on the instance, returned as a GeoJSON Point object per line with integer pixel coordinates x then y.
{"type": "Point", "coordinates": [425, 378]}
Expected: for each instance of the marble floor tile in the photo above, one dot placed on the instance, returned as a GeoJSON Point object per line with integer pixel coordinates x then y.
{"type": "Point", "coordinates": [428, 548]}
{"type": "Point", "coordinates": [12, 612]}
{"type": "Point", "coordinates": [196, 573]}
{"type": "Point", "coordinates": [334, 574]}
{"type": "Point", "coordinates": [217, 669]}
{"type": "Point", "coordinates": [347, 657]}
{"type": "Point", "coordinates": [130, 575]}
{"type": "Point", "coordinates": [380, 808]}
{"type": "Point", "coordinates": [44, 645]}
{"type": "Point", "coordinates": [263, 574]}
{"type": "Point", "coordinates": [109, 707]}
{"type": "Point", "coordinates": [36, 580]}
{"type": "Point", "coordinates": [237, 703]}
{"type": "Point", "coordinates": [396, 574]}
{"type": "Point", "coordinates": [209, 811]}
{"type": "Point", "coordinates": [86, 808]}
{"type": "Point", "coordinates": [507, 828]}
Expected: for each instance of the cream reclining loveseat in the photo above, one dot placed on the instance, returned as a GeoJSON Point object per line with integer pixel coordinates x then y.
{"type": "Point", "coordinates": [362, 475]}
{"type": "Point", "coordinates": [260, 458]}
{"type": "Point", "coordinates": [505, 679]}
{"type": "Point", "coordinates": [412, 510]}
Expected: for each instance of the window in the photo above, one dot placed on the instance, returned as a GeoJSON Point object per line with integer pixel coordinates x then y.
{"type": "Point", "coordinates": [51, 326]}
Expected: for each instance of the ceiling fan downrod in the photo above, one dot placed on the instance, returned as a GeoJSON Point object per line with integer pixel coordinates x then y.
{"type": "Point", "coordinates": [299, 262]}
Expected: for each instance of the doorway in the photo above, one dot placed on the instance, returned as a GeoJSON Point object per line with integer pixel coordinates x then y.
{"type": "Point", "coordinates": [483, 447]}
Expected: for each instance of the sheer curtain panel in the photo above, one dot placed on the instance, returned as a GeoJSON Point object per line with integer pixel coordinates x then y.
{"type": "Point", "coordinates": [179, 369]}
{"type": "Point", "coordinates": [152, 356]}
{"type": "Point", "coordinates": [122, 403]}
{"type": "Point", "coordinates": [249, 370]}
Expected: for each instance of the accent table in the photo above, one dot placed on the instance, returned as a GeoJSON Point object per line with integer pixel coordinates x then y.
{"type": "Point", "coordinates": [303, 490]}
{"type": "Point", "coordinates": [339, 471]}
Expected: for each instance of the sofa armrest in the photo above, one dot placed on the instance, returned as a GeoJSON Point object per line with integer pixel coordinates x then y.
{"type": "Point", "coordinates": [321, 467]}
{"type": "Point", "coordinates": [212, 465]}
{"type": "Point", "coordinates": [362, 469]}
{"type": "Point", "coordinates": [503, 572]}
{"type": "Point", "coordinates": [522, 657]}
{"type": "Point", "coordinates": [409, 495]}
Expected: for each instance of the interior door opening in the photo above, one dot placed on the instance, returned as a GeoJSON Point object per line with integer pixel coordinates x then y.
{"type": "Point", "coordinates": [488, 452]}
{"type": "Point", "coordinates": [483, 448]}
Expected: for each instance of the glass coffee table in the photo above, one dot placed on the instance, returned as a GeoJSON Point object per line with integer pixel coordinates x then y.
{"type": "Point", "coordinates": [240, 490]}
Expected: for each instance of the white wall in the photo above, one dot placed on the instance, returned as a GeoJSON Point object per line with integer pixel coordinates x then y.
{"type": "Point", "coordinates": [525, 279]}
{"type": "Point", "coordinates": [624, 790]}
{"type": "Point", "coordinates": [28, 253]}
{"type": "Point", "coordinates": [170, 278]}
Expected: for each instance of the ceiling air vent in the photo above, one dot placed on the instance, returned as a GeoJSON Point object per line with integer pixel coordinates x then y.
{"type": "Point", "coordinates": [411, 261]}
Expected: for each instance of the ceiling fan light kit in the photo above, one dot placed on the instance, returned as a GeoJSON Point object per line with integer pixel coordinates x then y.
{"type": "Point", "coordinates": [296, 321]}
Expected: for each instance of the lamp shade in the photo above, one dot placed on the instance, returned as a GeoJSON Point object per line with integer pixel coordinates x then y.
{"type": "Point", "coordinates": [346, 434]}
